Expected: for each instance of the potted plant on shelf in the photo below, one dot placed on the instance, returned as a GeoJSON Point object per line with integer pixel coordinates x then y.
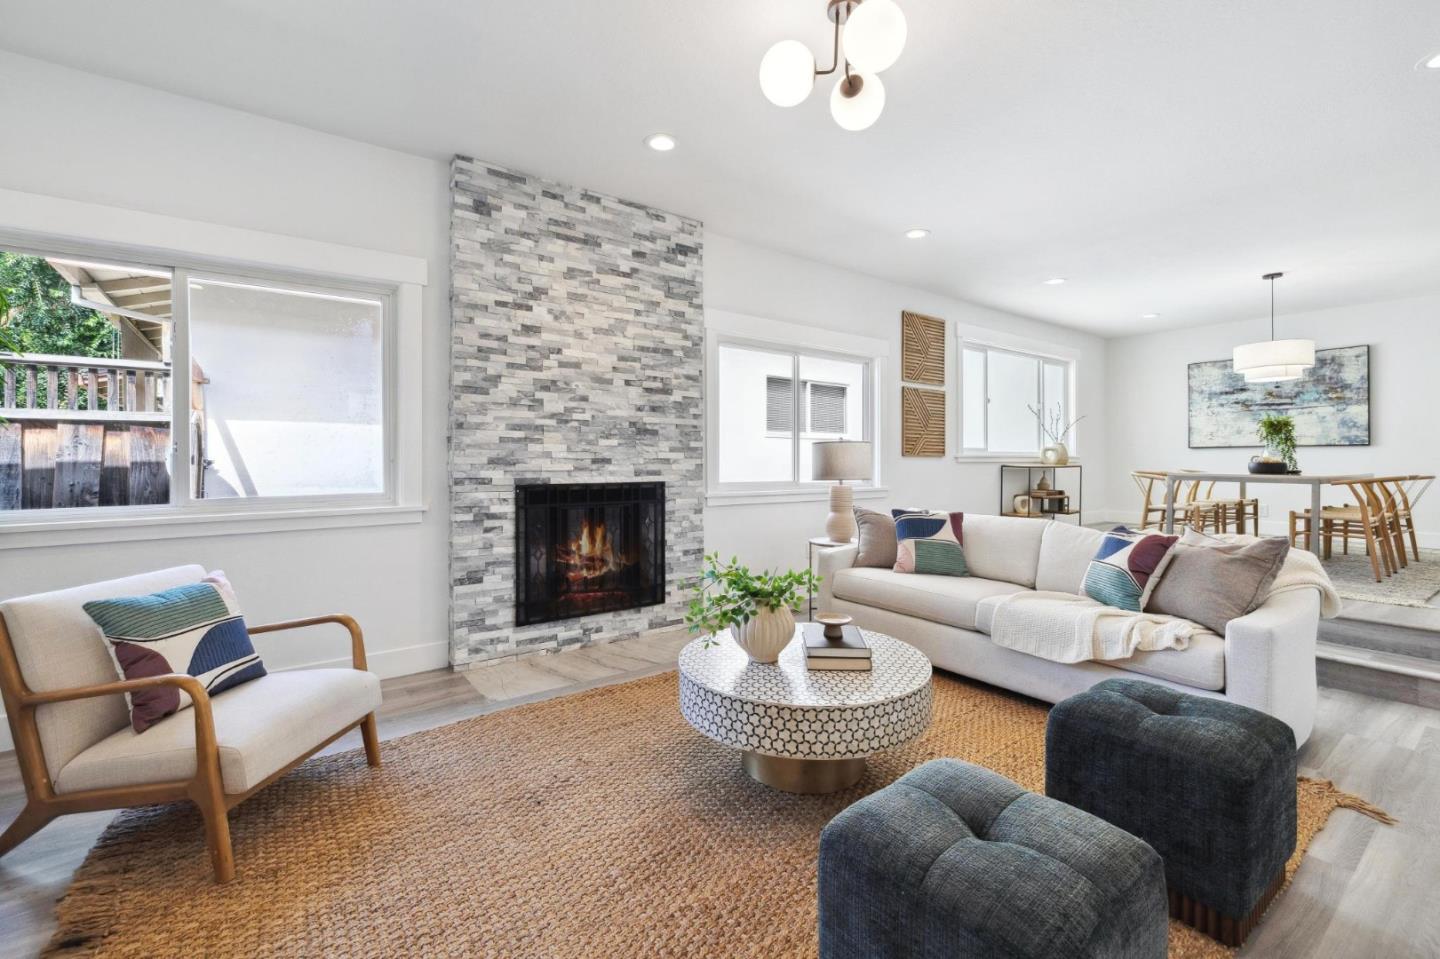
{"type": "Point", "coordinates": [1277, 432]}
{"type": "Point", "coordinates": [1057, 431]}
{"type": "Point", "coordinates": [757, 607]}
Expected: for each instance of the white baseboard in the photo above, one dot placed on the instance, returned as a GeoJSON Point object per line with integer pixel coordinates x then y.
{"type": "Point", "coordinates": [385, 663]}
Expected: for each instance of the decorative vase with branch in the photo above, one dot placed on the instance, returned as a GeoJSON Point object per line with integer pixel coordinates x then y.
{"type": "Point", "coordinates": [758, 607]}
{"type": "Point", "coordinates": [1277, 432]}
{"type": "Point", "coordinates": [1057, 430]}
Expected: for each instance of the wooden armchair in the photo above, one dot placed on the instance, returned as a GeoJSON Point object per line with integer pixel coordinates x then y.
{"type": "Point", "coordinates": [78, 753]}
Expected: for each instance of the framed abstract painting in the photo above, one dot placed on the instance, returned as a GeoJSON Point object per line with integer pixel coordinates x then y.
{"type": "Point", "coordinates": [1330, 404]}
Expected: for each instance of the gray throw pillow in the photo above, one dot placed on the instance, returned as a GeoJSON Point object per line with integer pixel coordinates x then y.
{"type": "Point", "coordinates": [876, 539]}
{"type": "Point", "coordinates": [1214, 583]}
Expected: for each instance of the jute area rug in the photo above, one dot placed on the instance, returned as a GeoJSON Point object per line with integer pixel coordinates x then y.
{"type": "Point", "coordinates": [596, 825]}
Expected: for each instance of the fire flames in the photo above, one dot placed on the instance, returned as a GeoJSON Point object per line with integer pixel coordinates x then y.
{"type": "Point", "coordinates": [590, 555]}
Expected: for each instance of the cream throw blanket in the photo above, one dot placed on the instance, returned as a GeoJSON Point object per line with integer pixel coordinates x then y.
{"type": "Point", "coordinates": [1067, 628]}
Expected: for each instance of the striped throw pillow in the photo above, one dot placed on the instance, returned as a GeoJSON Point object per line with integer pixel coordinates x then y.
{"type": "Point", "coordinates": [930, 543]}
{"type": "Point", "coordinates": [195, 629]}
{"type": "Point", "coordinates": [1126, 568]}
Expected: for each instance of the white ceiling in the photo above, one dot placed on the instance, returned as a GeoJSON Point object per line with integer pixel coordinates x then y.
{"type": "Point", "coordinates": [1160, 154]}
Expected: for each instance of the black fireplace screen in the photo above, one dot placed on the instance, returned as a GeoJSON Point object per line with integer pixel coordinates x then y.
{"type": "Point", "coordinates": [586, 548]}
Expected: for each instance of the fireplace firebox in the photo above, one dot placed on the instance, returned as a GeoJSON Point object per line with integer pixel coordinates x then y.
{"type": "Point", "coordinates": [585, 548]}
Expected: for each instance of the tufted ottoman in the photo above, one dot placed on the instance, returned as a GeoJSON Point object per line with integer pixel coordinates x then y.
{"type": "Point", "coordinates": [1209, 784]}
{"type": "Point", "coordinates": [954, 860]}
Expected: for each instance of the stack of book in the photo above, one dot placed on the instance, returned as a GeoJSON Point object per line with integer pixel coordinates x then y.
{"type": "Point", "coordinates": [850, 651]}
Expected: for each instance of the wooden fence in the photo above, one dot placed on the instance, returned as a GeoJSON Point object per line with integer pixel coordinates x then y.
{"type": "Point", "coordinates": [45, 465]}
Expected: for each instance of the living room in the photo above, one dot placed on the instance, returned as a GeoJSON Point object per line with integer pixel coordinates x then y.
{"type": "Point", "coordinates": [443, 274]}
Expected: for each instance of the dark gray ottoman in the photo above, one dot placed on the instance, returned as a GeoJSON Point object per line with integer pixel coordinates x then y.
{"type": "Point", "coordinates": [954, 860]}
{"type": "Point", "coordinates": [1209, 784]}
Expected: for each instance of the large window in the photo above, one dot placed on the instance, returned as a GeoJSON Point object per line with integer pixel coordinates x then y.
{"type": "Point", "coordinates": [1001, 391]}
{"type": "Point", "coordinates": [772, 404]}
{"type": "Point", "coordinates": [133, 384]}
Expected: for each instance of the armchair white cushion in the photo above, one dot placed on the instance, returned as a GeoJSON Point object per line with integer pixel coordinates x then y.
{"type": "Point", "coordinates": [260, 727]}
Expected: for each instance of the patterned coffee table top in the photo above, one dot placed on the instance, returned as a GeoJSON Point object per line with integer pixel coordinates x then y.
{"type": "Point", "coordinates": [898, 669]}
{"type": "Point", "coordinates": [784, 709]}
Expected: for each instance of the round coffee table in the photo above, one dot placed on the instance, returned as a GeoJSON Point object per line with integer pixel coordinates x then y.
{"type": "Point", "coordinates": [802, 730]}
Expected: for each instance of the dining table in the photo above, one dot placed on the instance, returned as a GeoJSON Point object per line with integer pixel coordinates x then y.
{"type": "Point", "coordinates": [1313, 480]}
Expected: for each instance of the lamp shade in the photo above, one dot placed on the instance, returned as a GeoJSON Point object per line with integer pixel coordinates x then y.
{"type": "Point", "coordinates": [842, 460]}
{"type": "Point", "coordinates": [1273, 353]}
{"type": "Point", "coordinates": [1274, 374]}
{"type": "Point", "coordinates": [858, 112]}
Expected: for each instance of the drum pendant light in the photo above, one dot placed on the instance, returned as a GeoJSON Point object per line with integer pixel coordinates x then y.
{"type": "Point", "coordinates": [1272, 360]}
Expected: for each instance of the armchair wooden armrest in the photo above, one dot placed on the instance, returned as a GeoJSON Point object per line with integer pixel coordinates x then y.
{"type": "Point", "coordinates": [357, 638]}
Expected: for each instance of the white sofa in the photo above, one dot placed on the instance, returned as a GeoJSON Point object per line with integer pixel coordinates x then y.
{"type": "Point", "coordinates": [1266, 659]}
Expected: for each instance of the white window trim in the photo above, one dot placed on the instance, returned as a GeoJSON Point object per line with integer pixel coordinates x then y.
{"type": "Point", "coordinates": [739, 329]}
{"type": "Point", "coordinates": [985, 338]}
{"type": "Point", "coordinates": [50, 223]}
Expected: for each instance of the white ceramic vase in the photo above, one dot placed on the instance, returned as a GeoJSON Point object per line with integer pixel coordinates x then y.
{"type": "Point", "coordinates": [766, 634]}
{"type": "Point", "coordinates": [1056, 454]}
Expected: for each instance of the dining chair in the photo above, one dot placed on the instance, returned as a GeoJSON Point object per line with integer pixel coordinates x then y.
{"type": "Point", "coordinates": [1368, 517]}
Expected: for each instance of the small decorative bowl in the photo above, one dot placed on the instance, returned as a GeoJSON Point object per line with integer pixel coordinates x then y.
{"type": "Point", "coordinates": [834, 623]}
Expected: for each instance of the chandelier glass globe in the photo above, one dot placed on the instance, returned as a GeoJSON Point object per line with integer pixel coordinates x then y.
{"type": "Point", "coordinates": [787, 73]}
{"type": "Point", "coordinates": [874, 35]}
{"type": "Point", "coordinates": [863, 109]}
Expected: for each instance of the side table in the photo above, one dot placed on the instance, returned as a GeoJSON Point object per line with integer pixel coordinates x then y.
{"type": "Point", "coordinates": [824, 542]}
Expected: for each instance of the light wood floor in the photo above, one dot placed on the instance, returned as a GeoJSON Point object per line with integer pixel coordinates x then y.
{"type": "Point", "coordinates": [1364, 889]}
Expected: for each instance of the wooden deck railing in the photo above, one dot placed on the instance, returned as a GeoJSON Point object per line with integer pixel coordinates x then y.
{"type": "Point", "coordinates": [39, 386]}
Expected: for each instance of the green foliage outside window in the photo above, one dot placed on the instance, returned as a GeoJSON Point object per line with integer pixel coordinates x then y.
{"type": "Point", "coordinates": [36, 315]}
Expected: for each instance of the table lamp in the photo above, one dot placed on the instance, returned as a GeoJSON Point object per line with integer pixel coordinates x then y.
{"type": "Point", "coordinates": [842, 460]}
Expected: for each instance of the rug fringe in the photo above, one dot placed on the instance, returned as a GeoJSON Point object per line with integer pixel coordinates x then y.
{"type": "Point", "coordinates": [1344, 800]}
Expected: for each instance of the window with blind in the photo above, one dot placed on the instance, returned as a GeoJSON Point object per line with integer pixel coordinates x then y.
{"type": "Point", "coordinates": [999, 391]}
{"type": "Point", "coordinates": [775, 403]}
{"type": "Point", "coordinates": [822, 406]}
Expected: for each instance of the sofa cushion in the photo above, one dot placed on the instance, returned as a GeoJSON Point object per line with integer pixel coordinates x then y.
{"type": "Point", "coordinates": [1004, 548]}
{"type": "Point", "coordinates": [930, 543]}
{"type": "Point", "coordinates": [1126, 568]}
{"type": "Point", "coordinates": [260, 727]}
{"type": "Point", "coordinates": [58, 646]}
{"type": "Point", "coordinates": [940, 599]}
{"type": "Point", "coordinates": [1065, 554]}
{"type": "Point", "coordinates": [1212, 582]}
{"type": "Point", "coordinates": [1201, 665]}
{"type": "Point", "coordinates": [875, 534]}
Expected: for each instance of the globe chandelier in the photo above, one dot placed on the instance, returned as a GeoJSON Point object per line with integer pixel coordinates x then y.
{"type": "Point", "coordinates": [871, 35]}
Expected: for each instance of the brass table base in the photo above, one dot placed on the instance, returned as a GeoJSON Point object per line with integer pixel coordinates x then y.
{"type": "Point", "coordinates": [803, 775]}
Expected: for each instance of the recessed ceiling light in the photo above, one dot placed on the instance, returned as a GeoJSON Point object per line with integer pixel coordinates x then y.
{"type": "Point", "coordinates": [1055, 281]}
{"type": "Point", "coordinates": [1149, 316]}
{"type": "Point", "coordinates": [916, 234]}
{"type": "Point", "coordinates": [1432, 62]}
{"type": "Point", "coordinates": [661, 142]}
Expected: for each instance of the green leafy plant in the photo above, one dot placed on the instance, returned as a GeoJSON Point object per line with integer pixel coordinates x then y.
{"type": "Point", "coordinates": [1277, 432]}
{"type": "Point", "coordinates": [728, 594]}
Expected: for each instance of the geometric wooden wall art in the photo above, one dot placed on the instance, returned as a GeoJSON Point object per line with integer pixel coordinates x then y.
{"type": "Point", "coordinates": [922, 422]}
{"type": "Point", "coordinates": [922, 349]}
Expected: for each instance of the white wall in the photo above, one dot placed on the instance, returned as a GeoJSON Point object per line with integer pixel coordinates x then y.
{"type": "Point", "coordinates": [751, 280]}
{"type": "Point", "coordinates": [294, 398]}
{"type": "Point", "coordinates": [1148, 404]}
{"type": "Point", "coordinates": [145, 150]}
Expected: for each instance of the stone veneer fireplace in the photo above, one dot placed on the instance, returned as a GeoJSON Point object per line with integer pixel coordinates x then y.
{"type": "Point", "coordinates": [577, 357]}
{"type": "Point", "coordinates": [584, 548]}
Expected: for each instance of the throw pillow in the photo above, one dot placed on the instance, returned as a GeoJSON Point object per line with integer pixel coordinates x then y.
{"type": "Point", "coordinates": [195, 629]}
{"type": "Point", "coordinates": [1126, 567]}
{"type": "Point", "coordinates": [1211, 582]}
{"type": "Point", "coordinates": [876, 538]}
{"type": "Point", "coordinates": [930, 543]}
